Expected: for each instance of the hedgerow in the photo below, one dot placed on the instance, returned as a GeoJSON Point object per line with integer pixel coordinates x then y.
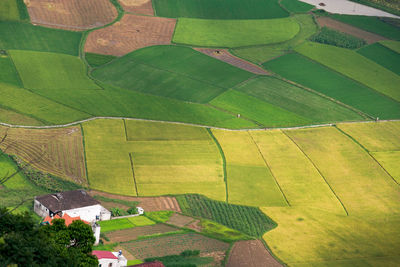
{"type": "Point", "coordinates": [336, 38]}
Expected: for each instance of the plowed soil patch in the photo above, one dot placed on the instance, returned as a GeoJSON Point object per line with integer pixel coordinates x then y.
{"type": "Point", "coordinates": [251, 253]}
{"type": "Point", "coordinates": [141, 7]}
{"type": "Point", "coordinates": [343, 27]}
{"type": "Point", "coordinates": [71, 14]}
{"type": "Point", "coordinates": [180, 220]}
{"type": "Point", "coordinates": [131, 33]}
{"type": "Point", "coordinates": [56, 151]}
{"type": "Point", "coordinates": [147, 203]}
{"type": "Point", "coordinates": [133, 233]}
{"type": "Point", "coordinates": [227, 57]}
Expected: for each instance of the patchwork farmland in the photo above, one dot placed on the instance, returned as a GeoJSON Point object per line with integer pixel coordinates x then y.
{"type": "Point", "coordinates": [259, 132]}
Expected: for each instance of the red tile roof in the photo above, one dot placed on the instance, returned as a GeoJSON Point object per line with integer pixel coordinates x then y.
{"type": "Point", "coordinates": [68, 219]}
{"type": "Point", "coordinates": [102, 254]}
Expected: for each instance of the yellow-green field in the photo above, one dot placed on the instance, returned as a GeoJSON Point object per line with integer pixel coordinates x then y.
{"type": "Point", "coordinates": [390, 161]}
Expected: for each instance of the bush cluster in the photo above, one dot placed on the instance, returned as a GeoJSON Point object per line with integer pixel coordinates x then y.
{"type": "Point", "coordinates": [336, 38]}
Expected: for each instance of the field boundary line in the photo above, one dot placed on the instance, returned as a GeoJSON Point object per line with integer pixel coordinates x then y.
{"type": "Point", "coordinates": [221, 151]}
{"type": "Point", "coordinates": [16, 70]}
{"type": "Point", "coordinates": [23, 114]}
{"type": "Point", "coordinates": [133, 173]}
{"type": "Point", "coordinates": [318, 170]}
{"type": "Point", "coordinates": [366, 150]}
{"type": "Point", "coordinates": [84, 153]}
{"type": "Point", "coordinates": [269, 168]}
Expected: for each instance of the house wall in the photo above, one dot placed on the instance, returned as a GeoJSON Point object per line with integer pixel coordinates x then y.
{"type": "Point", "coordinates": [88, 213]}
{"type": "Point", "coordinates": [39, 209]}
{"type": "Point", "coordinates": [106, 263]}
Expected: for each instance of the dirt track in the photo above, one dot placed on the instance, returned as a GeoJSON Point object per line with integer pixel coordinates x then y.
{"type": "Point", "coordinates": [251, 253]}
{"type": "Point", "coordinates": [140, 7]}
{"type": "Point", "coordinates": [75, 15]}
{"type": "Point", "coordinates": [131, 33]}
{"type": "Point", "coordinates": [343, 27]}
{"type": "Point", "coordinates": [227, 57]}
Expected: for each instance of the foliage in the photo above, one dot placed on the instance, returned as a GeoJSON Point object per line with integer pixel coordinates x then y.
{"type": "Point", "coordinates": [115, 212]}
{"type": "Point", "coordinates": [336, 38]}
{"type": "Point", "coordinates": [96, 60]}
{"type": "Point", "coordinates": [186, 258]}
{"type": "Point", "coordinates": [383, 56]}
{"type": "Point", "coordinates": [296, 6]}
{"type": "Point", "coordinates": [219, 9]}
{"type": "Point", "coordinates": [245, 219]}
{"type": "Point", "coordinates": [159, 216]}
{"type": "Point", "coordinates": [24, 36]}
{"type": "Point", "coordinates": [220, 232]}
{"type": "Point", "coordinates": [234, 33]}
{"type": "Point", "coordinates": [319, 78]}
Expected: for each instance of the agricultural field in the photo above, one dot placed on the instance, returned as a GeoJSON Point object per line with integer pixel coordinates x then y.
{"type": "Point", "coordinates": [96, 60]}
{"type": "Point", "coordinates": [13, 10]}
{"type": "Point", "coordinates": [382, 55]}
{"type": "Point", "coordinates": [72, 14]}
{"type": "Point", "coordinates": [219, 9]}
{"type": "Point", "coordinates": [129, 234]}
{"type": "Point", "coordinates": [395, 46]}
{"type": "Point", "coordinates": [140, 7]}
{"type": "Point", "coordinates": [234, 33]}
{"type": "Point", "coordinates": [295, 6]}
{"type": "Point", "coordinates": [8, 72]}
{"type": "Point", "coordinates": [337, 38]}
{"type": "Point", "coordinates": [323, 80]}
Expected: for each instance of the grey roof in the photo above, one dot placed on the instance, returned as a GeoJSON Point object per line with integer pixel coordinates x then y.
{"type": "Point", "coordinates": [67, 200]}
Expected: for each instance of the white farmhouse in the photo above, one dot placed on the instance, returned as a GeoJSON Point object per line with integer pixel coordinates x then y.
{"type": "Point", "coordinates": [110, 259]}
{"type": "Point", "coordinates": [74, 203]}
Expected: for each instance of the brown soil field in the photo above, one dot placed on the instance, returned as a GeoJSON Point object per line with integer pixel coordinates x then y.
{"type": "Point", "coordinates": [343, 27]}
{"type": "Point", "coordinates": [251, 253]}
{"type": "Point", "coordinates": [180, 220]}
{"type": "Point", "coordinates": [131, 33]}
{"type": "Point", "coordinates": [174, 244]}
{"type": "Point", "coordinates": [75, 15]}
{"type": "Point", "coordinates": [227, 57]}
{"type": "Point", "coordinates": [140, 7]}
{"type": "Point", "coordinates": [55, 151]}
{"type": "Point", "coordinates": [133, 233]}
{"type": "Point", "coordinates": [147, 203]}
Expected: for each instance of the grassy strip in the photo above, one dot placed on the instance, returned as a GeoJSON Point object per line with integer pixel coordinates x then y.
{"type": "Point", "coordinates": [336, 38]}
{"type": "Point", "coordinates": [295, 6]}
{"type": "Point", "coordinates": [23, 11]}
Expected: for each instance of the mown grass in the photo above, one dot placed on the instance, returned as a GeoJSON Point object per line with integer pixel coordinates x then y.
{"type": "Point", "coordinates": [264, 113]}
{"type": "Point", "coordinates": [319, 78]}
{"type": "Point", "coordinates": [96, 60]}
{"type": "Point", "coordinates": [261, 54]}
{"type": "Point", "coordinates": [390, 161]}
{"type": "Point", "coordinates": [234, 33]}
{"type": "Point", "coordinates": [337, 38]}
{"type": "Point", "coordinates": [24, 36]}
{"type": "Point", "coordinates": [297, 100]}
{"type": "Point", "coordinates": [51, 71]}
{"type": "Point", "coordinates": [154, 70]}
{"type": "Point", "coordinates": [249, 180]}
{"type": "Point", "coordinates": [382, 55]}
{"type": "Point", "coordinates": [295, 6]}
{"type": "Point", "coordinates": [219, 9]}
{"type": "Point", "coordinates": [355, 66]}
{"type": "Point", "coordinates": [8, 73]}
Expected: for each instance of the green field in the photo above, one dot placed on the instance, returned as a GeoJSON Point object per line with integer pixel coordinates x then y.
{"type": "Point", "coordinates": [394, 45]}
{"type": "Point", "coordinates": [219, 9]}
{"type": "Point", "coordinates": [355, 66]}
{"type": "Point", "coordinates": [114, 225]}
{"type": "Point", "coordinates": [297, 100]}
{"type": "Point", "coordinates": [196, 78]}
{"type": "Point", "coordinates": [24, 36]}
{"type": "Point", "coordinates": [319, 78]}
{"type": "Point", "coordinates": [390, 162]}
{"type": "Point", "coordinates": [234, 33]}
{"type": "Point", "coordinates": [260, 54]}
{"type": "Point", "coordinates": [50, 71]}
{"type": "Point", "coordinates": [263, 113]}
{"type": "Point", "coordinates": [96, 60]}
{"type": "Point", "coordinates": [12, 117]}
{"type": "Point", "coordinates": [9, 10]}
{"type": "Point", "coordinates": [8, 73]}
{"type": "Point", "coordinates": [296, 6]}
{"type": "Point", "coordinates": [249, 179]}
{"type": "Point", "coordinates": [382, 55]}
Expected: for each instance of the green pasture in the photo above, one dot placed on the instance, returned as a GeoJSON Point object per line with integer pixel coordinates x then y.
{"type": "Point", "coordinates": [36, 107]}
{"type": "Point", "coordinates": [300, 181]}
{"type": "Point", "coordinates": [8, 73]}
{"type": "Point", "coordinates": [355, 66]}
{"type": "Point", "coordinates": [234, 33]}
{"type": "Point", "coordinates": [370, 24]}
{"type": "Point", "coordinates": [390, 162]}
{"type": "Point", "coordinates": [140, 221]}
{"type": "Point", "coordinates": [321, 79]}
{"type": "Point", "coordinates": [114, 225]}
{"type": "Point", "coordinates": [51, 71]}
{"type": "Point", "coordinates": [219, 9]}
{"type": "Point", "coordinates": [369, 192]}
{"type": "Point", "coordinates": [24, 36]}
{"type": "Point", "coordinates": [12, 117]}
{"type": "Point", "coordinates": [297, 100]}
{"type": "Point", "coordinates": [249, 179]}
{"type": "Point", "coordinates": [260, 54]}
{"type": "Point", "coordinates": [295, 6]}
{"type": "Point", "coordinates": [96, 60]}
{"type": "Point", "coordinates": [265, 114]}
{"type": "Point", "coordinates": [9, 10]}
{"type": "Point", "coordinates": [382, 55]}
{"type": "Point", "coordinates": [394, 45]}
{"type": "Point", "coordinates": [154, 70]}
{"type": "Point", "coordinates": [377, 136]}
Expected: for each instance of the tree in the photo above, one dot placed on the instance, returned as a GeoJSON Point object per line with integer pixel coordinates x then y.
{"type": "Point", "coordinates": [26, 243]}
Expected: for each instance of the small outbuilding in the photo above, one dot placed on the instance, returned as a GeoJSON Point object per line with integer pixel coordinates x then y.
{"type": "Point", "coordinates": [110, 259]}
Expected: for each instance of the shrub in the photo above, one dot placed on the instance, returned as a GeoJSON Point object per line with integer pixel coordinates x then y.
{"type": "Point", "coordinates": [336, 38]}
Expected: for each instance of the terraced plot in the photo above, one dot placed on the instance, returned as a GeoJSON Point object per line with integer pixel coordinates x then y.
{"type": "Point", "coordinates": [219, 9]}
{"type": "Point", "coordinates": [130, 33]}
{"type": "Point", "coordinates": [383, 56]}
{"type": "Point", "coordinates": [319, 78]}
{"type": "Point", "coordinates": [249, 179]}
{"type": "Point", "coordinates": [355, 66]}
{"type": "Point", "coordinates": [50, 71]}
{"type": "Point", "coordinates": [234, 33]}
{"type": "Point", "coordinates": [72, 14]}
{"type": "Point", "coordinates": [24, 36]}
